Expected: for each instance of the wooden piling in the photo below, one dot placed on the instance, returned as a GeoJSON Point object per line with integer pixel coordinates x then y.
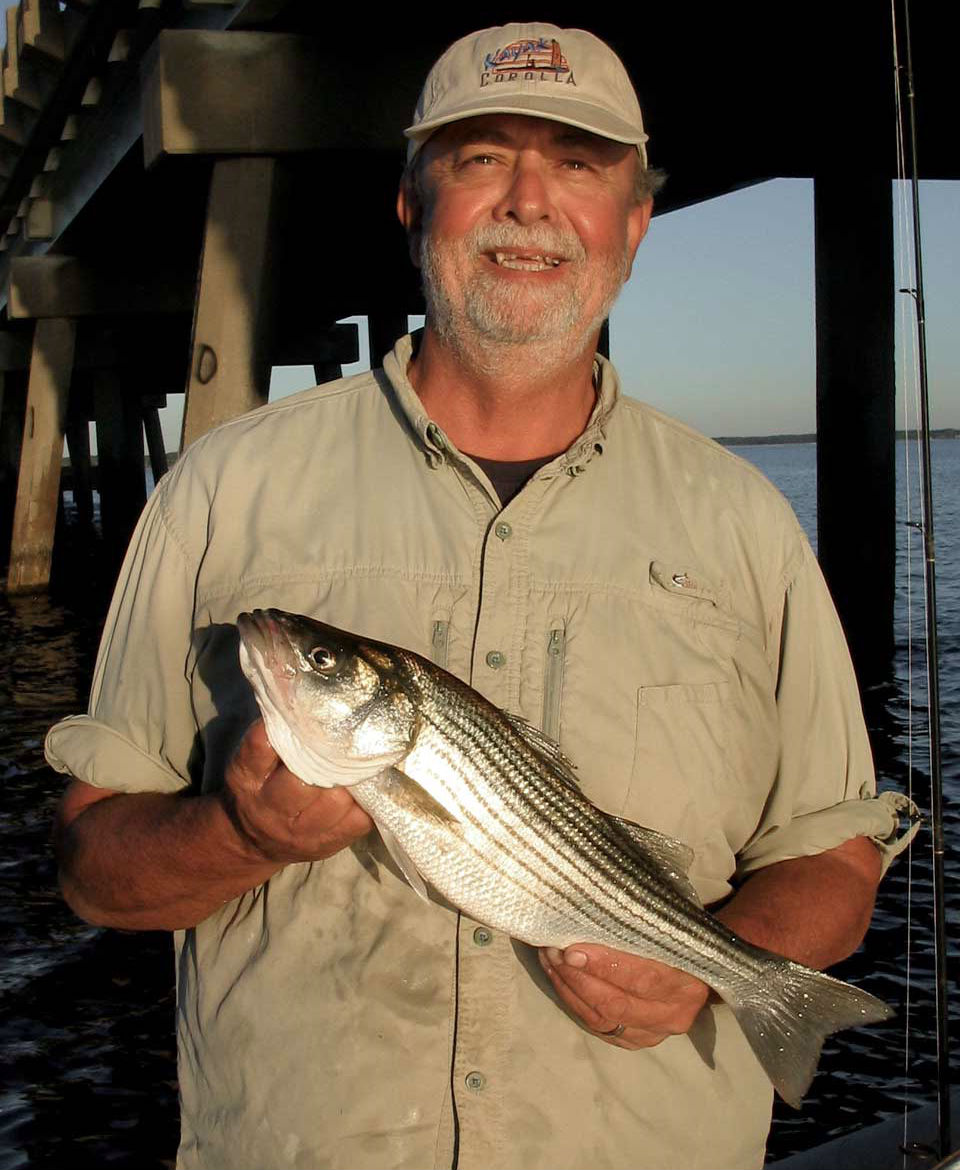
{"type": "Point", "coordinates": [155, 444]}
{"type": "Point", "coordinates": [856, 461]}
{"type": "Point", "coordinates": [233, 326]}
{"type": "Point", "coordinates": [121, 474]}
{"type": "Point", "coordinates": [384, 329]}
{"type": "Point", "coordinates": [78, 446]}
{"type": "Point", "coordinates": [38, 484]}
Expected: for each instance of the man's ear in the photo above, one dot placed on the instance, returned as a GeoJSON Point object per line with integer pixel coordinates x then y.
{"type": "Point", "coordinates": [638, 220]}
{"type": "Point", "coordinates": [410, 214]}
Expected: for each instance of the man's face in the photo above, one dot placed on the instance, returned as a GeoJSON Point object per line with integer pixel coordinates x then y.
{"type": "Point", "coordinates": [527, 231]}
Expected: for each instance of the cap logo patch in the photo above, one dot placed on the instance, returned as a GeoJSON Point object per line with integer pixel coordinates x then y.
{"type": "Point", "coordinates": [532, 59]}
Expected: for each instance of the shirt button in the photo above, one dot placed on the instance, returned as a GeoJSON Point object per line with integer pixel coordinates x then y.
{"type": "Point", "coordinates": [482, 937]}
{"type": "Point", "coordinates": [435, 435]}
{"type": "Point", "coordinates": [503, 530]}
{"type": "Point", "coordinates": [476, 1081]}
{"type": "Point", "coordinates": [495, 659]}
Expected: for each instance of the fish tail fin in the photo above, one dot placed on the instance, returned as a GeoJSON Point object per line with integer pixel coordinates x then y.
{"type": "Point", "coordinates": [790, 1013]}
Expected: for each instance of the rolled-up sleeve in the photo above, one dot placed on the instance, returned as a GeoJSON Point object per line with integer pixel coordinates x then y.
{"type": "Point", "coordinates": [139, 731]}
{"type": "Point", "coordinates": [825, 791]}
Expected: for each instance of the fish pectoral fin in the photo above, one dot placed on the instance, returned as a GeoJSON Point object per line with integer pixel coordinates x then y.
{"type": "Point", "coordinates": [404, 862]}
{"type": "Point", "coordinates": [672, 856]}
{"type": "Point", "coordinates": [548, 749]}
{"type": "Point", "coordinates": [406, 792]}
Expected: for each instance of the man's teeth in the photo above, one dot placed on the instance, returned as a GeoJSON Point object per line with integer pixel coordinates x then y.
{"type": "Point", "coordinates": [533, 263]}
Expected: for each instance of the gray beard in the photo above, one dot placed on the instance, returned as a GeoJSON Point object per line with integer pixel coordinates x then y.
{"type": "Point", "coordinates": [489, 321]}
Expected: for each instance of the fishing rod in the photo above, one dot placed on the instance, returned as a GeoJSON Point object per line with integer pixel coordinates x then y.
{"type": "Point", "coordinates": [930, 591]}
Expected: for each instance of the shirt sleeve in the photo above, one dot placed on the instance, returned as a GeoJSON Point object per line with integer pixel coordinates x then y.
{"type": "Point", "coordinates": [139, 730]}
{"type": "Point", "coordinates": [825, 791]}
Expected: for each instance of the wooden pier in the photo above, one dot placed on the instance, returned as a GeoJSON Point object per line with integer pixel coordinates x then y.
{"type": "Point", "coordinates": [195, 191]}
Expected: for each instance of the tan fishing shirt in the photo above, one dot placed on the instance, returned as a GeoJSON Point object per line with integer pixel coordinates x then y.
{"type": "Point", "coordinates": [648, 598]}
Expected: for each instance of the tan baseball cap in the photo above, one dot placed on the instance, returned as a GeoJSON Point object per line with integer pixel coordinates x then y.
{"type": "Point", "coordinates": [563, 74]}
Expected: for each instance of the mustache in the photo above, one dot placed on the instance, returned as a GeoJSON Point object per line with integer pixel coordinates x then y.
{"type": "Point", "coordinates": [538, 238]}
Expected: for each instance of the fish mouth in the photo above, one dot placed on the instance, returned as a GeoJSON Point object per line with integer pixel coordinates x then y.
{"type": "Point", "coordinates": [263, 628]}
{"type": "Point", "coordinates": [259, 630]}
{"type": "Point", "coordinates": [266, 639]}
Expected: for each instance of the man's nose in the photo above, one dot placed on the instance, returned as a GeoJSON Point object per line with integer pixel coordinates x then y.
{"type": "Point", "coordinates": [527, 198]}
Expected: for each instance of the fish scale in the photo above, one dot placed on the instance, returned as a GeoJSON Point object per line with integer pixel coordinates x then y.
{"type": "Point", "coordinates": [486, 809]}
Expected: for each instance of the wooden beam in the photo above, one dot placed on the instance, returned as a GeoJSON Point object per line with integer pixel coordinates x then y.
{"type": "Point", "coordinates": [41, 27]}
{"type": "Point", "coordinates": [233, 322]}
{"type": "Point", "coordinates": [155, 445]}
{"type": "Point", "coordinates": [16, 121]}
{"type": "Point", "coordinates": [24, 81]}
{"type": "Point", "coordinates": [61, 286]}
{"type": "Point", "coordinates": [121, 475]}
{"type": "Point", "coordinates": [260, 93]}
{"type": "Point", "coordinates": [38, 224]}
{"type": "Point", "coordinates": [38, 486]}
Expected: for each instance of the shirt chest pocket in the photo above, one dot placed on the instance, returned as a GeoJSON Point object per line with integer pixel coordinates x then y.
{"type": "Point", "coordinates": [679, 780]}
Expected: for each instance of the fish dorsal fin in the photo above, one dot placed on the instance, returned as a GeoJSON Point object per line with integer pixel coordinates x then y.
{"type": "Point", "coordinates": [408, 792]}
{"type": "Point", "coordinates": [547, 748]}
{"type": "Point", "coordinates": [673, 857]}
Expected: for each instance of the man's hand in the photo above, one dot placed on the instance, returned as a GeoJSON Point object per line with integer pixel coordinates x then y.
{"type": "Point", "coordinates": [607, 988]}
{"type": "Point", "coordinates": [282, 818]}
{"type": "Point", "coordinates": [815, 910]}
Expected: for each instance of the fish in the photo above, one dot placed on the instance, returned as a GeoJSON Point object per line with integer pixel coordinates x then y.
{"type": "Point", "coordinates": [484, 807]}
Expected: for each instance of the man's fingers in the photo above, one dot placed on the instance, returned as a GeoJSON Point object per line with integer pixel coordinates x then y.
{"type": "Point", "coordinates": [584, 1007]}
{"type": "Point", "coordinates": [334, 811]}
{"type": "Point", "coordinates": [639, 993]}
{"type": "Point", "coordinates": [286, 794]}
{"type": "Point", "coordinates": [646, 978]}
{"type": "Point", "coordinates": [254, 759]}
{"type": "Point", "coordinates": [631, 1037]}
{"type": "Point", "coordinates": [283, 818]}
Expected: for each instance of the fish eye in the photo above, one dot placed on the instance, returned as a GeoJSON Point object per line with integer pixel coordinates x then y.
{"type": "Point", "coordinates": [322, 658]}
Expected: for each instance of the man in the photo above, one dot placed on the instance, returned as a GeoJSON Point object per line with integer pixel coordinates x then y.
{"type": "Point", "coordinates": [644, 596]}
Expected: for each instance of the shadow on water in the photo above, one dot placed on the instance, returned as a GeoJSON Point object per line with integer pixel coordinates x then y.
{"type": "Point", "coordinates": [86, 1040]}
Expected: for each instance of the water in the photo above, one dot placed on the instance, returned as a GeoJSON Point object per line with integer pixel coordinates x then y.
{"type": "Point", "coordinates": [86, 1039]}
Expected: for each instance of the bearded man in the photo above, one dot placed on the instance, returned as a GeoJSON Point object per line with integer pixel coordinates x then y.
{"type": "Point", "coordinates": [489, 500]}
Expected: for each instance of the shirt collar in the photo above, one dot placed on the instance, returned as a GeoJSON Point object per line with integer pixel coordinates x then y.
{"type": "Point", "coordinates": [589, 443]}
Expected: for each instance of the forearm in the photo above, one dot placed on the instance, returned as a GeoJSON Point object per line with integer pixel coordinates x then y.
{"type": "Point", "coordinates": [815, 910]}
{"type": "Point", "coordinates": [155, 862]}
{"type": "Point", "coordinates": [150, 861]}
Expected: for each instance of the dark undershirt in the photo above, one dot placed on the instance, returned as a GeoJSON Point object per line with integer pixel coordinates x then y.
{"type": "Point", "coordinates": [508, 475]}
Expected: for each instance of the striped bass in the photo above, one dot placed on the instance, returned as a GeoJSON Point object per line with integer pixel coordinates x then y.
{"type": "Point", "coordinates": [485, 808]}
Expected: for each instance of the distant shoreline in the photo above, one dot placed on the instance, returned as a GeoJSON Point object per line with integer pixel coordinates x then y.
{"type": "Point", "coordinates": [776, 440]}
{"type": "Point", "coordinates": [723, 440]}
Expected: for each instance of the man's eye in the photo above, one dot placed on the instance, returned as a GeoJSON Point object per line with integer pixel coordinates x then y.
{"type": "Point", "coordinates": [575, 164]}
{"type": "Point", "coordinates": [482, 159]}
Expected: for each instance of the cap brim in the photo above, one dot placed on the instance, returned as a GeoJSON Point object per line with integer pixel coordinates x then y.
{"type": "Point", "coordinates": [571, 111]}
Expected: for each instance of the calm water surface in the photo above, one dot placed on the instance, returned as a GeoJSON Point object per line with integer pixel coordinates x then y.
{"type": "Point", "coordinates": [86, 1038]}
